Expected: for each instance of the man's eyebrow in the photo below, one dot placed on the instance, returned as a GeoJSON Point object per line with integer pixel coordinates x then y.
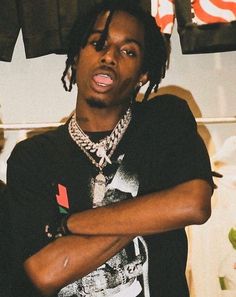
{"type": "Point", "coordinates": [132, 40]}
{"type": "Point", "coordinates": [128, 40]}
{"type": "Point", "coordinates": [96, 32]}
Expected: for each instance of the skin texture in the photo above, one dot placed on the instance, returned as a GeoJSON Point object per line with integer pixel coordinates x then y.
{"type": "Point", "coordinates": [98, 109]}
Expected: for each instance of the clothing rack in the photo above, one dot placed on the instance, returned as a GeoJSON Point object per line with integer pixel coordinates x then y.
{"type": "Point", "coordinates": [216, 120]}
{"type": "Point", "coordinates": [31, 126]}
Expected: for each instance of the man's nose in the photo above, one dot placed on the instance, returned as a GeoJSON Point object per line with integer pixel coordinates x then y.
{"type": "Point", "coordinates": [109, 57]}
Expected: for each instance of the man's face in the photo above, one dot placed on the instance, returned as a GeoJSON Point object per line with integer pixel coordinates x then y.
{"type": "Point", "coordinates": [108, 77]}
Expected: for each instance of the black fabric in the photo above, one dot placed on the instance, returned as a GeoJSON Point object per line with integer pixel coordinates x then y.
{"type": "Point", "coordinates": [206, 38]}
{"type": "Point", "coordinates": [161, 145]}
{"type": "Point", "coordinates": [4, 244]}
{"type": "Point", "coordinates": [9, 29]}
{"type": "Point", "coordinates": [45, 25]}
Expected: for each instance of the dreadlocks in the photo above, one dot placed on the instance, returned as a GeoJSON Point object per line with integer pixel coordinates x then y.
{"type": "Point", "coordinates": [155, 53]}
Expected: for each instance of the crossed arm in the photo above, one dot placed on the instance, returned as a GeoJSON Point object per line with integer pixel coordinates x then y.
{"type": "Point", "coordinates": [100, 233]}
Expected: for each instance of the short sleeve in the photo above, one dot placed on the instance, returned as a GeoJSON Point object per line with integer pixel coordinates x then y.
{"type": "Point", "coordinates": [185, 156]}
{"type": "Point", "coordinates": [173, 151]}
{"type": "Point", "coordinates": [29, 197]}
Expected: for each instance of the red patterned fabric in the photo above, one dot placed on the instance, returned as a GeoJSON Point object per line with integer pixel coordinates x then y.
{"type": "Point", "coordinates": [164, 13]}
{"type": "Point", "coordinates": [206, 26]}
{"type": "Point", "coordinates": [213, 11]}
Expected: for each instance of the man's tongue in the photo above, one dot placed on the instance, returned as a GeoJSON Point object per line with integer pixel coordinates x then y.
{"type": "Point", "coordinates": [103, 79]}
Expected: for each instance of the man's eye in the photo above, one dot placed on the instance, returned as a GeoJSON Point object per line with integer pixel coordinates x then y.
{"type": "Point", "coordinates": [94, 43]}
{"type": "Point", "coordinates": [130, 53]}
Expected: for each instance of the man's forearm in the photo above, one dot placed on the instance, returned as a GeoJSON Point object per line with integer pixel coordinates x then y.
{"type": "Point", "coordinates": [69, 258]}
{"type": "Point", "coordinates": [185, 204]}
{"type": "Point", "coordinates": [72, 257]}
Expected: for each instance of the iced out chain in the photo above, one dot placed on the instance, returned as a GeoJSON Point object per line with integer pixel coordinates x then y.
{"type": "Point", "coordinates": [101, 148]}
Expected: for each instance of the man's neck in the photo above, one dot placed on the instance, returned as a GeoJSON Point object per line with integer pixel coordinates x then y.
{"type": "Point", "coordinates": [94, 119]}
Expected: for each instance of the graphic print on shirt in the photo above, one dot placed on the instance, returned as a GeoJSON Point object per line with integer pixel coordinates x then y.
{"type": "Point", "coordinates": [62, 199]}
{"type": "Point", "coordinates": [126, 274]}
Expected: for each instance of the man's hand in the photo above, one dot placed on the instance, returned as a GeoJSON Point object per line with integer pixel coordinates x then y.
{"type": "Point", "coordinates": [104, 231]}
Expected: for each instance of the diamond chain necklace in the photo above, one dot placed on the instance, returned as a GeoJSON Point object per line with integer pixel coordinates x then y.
{"type": "Point", "coordinates": [104, 148]}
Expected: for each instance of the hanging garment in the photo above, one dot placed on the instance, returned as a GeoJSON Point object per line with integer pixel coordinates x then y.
{"type": "Point", "coordinates": [206, 26]}
{"type": "Point", "coordinates": [9, 28]}
{"type": "Point", "coordinates": [45, 24]}
{"type": "Point", "coordinates": [164, 13]}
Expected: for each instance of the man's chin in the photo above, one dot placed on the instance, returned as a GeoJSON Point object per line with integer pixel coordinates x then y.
{"type": "Point", "coordinates": [96, 103]}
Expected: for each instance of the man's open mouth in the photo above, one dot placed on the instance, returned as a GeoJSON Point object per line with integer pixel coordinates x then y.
{"type": "Point", "coordinates": [104, 80]}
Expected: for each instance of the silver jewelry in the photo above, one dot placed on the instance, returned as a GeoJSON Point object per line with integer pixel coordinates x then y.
{"type": "Point", "coordinates": [102, 149]}
{"type": "Point", "coordinates": [106, 146]}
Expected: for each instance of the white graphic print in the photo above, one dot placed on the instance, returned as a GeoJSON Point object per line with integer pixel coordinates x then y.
{"type": "Point", "coordinates": [118, 276]}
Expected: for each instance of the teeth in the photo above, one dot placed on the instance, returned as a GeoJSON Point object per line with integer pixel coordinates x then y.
{"type": "Point", "coordinates": [103, 79]}
{"type": "Point", "coordinates": [105, 75]}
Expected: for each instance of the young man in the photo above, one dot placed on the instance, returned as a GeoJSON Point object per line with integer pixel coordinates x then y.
{"type": "Point", "coordinates": [98, 207]}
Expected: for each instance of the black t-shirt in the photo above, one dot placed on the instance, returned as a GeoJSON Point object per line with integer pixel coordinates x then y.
{"type": "Point", "coordinates": [4, 273]}
{"type": "Point", "coordinates": [48, 176]}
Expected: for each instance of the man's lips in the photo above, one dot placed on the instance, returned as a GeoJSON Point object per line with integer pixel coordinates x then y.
{"type": "Point", "coordinates": [103, 79]}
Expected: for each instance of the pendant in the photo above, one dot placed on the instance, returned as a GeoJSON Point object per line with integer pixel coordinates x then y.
{"type": "Point", "coordinates": [101, 153]}
{"type": "Point", "coordinates": [99, 189]}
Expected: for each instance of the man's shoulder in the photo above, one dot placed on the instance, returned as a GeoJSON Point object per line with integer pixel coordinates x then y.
{"type": "Point", "coordinates": [40, 144]}
{"type": "Point", "coordinates": [166, 101]}
{"type": "Point", "coordinates": [48, 137]}
{"type": "Point", "coordinates": [162, 107]}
